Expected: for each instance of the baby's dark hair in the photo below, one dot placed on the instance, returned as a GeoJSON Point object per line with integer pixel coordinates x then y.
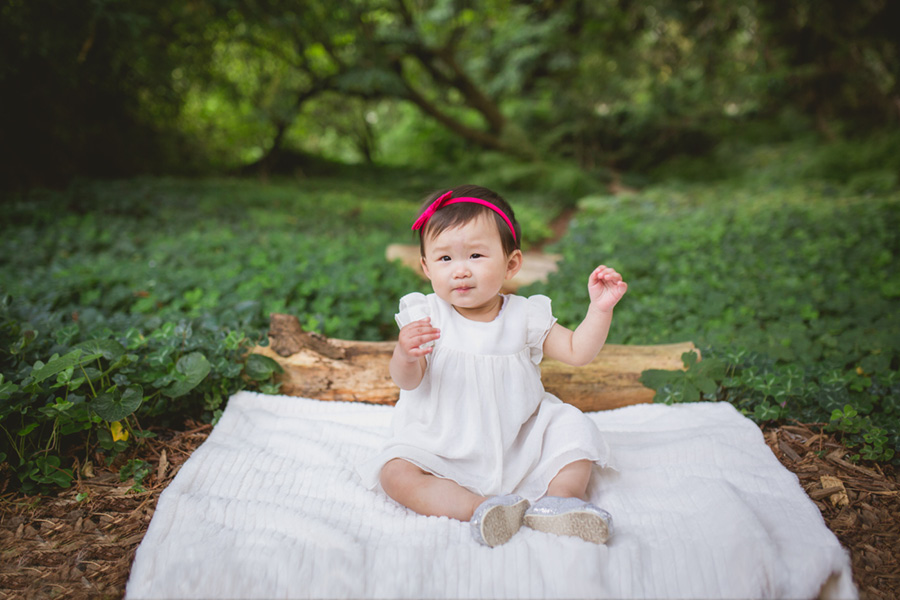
{"type": "Point", "coordinates": [456, 215]}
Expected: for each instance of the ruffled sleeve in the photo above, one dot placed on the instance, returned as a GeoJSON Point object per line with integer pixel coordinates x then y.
{"type": "Point", "coordinates": [538, 323]}
{"type": "Point", "coordinates": [413, 307]}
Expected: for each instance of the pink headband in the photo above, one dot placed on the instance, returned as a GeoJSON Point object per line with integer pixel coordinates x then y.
{"type": "Point", "coordinates": [445, 200]}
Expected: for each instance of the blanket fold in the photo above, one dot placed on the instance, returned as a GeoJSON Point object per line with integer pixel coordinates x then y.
{"type": "Point", "coordinates": [270, 506]}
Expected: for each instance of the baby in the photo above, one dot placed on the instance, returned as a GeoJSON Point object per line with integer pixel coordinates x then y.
{"type": "Point", "coordinates": [475, 436]}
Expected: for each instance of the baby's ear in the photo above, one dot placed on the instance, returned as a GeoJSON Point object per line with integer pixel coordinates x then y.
{"type": "Point", "coordinates": [514, 263]}
{"type": "Point", "coordinates": [424, 266]}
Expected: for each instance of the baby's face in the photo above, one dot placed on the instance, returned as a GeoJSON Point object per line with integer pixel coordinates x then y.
{"type": "Point", "coordinates": [467, 266]}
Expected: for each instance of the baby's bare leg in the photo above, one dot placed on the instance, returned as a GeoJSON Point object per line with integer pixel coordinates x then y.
{"type": "Point", "coordinates": [426, 494]}
{"type": "Point", "coordinates": [572, 480]}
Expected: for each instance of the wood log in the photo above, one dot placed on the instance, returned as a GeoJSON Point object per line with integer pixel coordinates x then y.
{"type": "Point", "coordinates": [332, 369]}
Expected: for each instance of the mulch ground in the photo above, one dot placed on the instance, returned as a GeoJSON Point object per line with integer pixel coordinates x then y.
{"type": "Point", "coordinates": [860, 503]}
{"type": "Point", "coordinates": [81, 543]}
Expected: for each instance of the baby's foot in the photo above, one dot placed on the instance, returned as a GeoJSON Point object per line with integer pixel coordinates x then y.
{"type": "Point", "coordinates": [497, 519]}
{"type": "Point", "coordinates": [570, 516]}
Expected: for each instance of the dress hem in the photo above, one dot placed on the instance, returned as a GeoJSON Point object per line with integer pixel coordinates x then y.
{"type": "Point", "coordinates": [371, 479]}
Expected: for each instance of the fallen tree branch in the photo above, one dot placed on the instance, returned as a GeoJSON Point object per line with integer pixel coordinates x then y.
{"type": "Point", "coordinates": [331, 369]}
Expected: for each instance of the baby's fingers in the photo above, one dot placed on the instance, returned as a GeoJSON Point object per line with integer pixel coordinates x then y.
{"type": "Point", "coordinates": [607, 274]}
{"type": "Point", "coordinates": [420, 351]}
{"type": "Point", "coordinates": [424, 338]}
{"type": "Point", "coordinates": [416, 327]}
{"type": "Point", "coordinates": [418, 333]}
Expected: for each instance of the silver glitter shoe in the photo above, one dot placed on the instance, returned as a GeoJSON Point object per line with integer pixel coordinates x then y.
{"type": "Point", "coordinates": [570, 516]}
{"type": "Point", "coordinates": [497, 519]}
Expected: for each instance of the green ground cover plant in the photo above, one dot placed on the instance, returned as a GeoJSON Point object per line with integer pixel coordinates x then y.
{"type": "Point", "coordinates": [126, 306]}
{"type": "Point", "coordinates": [790, 287]}
{"type": "Point", "coordinates": [133, 303]}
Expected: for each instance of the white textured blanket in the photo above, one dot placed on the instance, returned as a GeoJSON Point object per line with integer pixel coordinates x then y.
{"type": "Point", "coordinates": [270, 507]}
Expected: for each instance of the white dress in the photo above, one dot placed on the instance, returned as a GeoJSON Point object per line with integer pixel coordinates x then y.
{"type": "Point", "coordinates": [481, 416]}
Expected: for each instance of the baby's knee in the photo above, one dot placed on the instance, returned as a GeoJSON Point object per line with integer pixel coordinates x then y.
{"type": "Point", "coordinates": [396, 473]}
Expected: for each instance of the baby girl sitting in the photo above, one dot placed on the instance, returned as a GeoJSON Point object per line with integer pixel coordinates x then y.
{"type": "Point", "coordinates": [475, 436]}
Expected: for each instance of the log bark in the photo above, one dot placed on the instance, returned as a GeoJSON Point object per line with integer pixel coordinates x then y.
{"type": "Point", "coordinates": [344, 370]}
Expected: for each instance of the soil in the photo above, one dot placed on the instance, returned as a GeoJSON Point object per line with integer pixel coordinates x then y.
{"type": "Point", "coordinates": [81, 542]}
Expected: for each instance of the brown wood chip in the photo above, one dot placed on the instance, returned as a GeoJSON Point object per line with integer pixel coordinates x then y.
{"type": "Point", "coordinates": [786, 448]}
{"type": "Point", "coordinates": [60, 547]}
{"type": "Point", "coordinates": [163, 465]}
{"type": "Point", "coordinates": [837, 458]}
{"type": "Point", "coordinates": [838, 496]}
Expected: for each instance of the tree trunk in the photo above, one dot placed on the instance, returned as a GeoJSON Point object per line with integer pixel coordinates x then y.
{"type": "Point", "coordinates": [269, 160]}
{"type": "Point", "coordinates": [490, 141]}
{"type": "Point", "coordinates": [330, 369]}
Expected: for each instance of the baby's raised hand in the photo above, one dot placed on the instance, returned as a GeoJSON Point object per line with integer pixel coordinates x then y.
{"type": "Point", "coordinates": [606, 288]}
{"type": "Point", "coordinates": [413, 336]}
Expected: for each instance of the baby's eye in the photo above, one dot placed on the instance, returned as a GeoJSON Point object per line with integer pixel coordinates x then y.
{"type": "Point", "coordinates": [476, 255]}
{"type": "Point", "coordinates": [444, 259]}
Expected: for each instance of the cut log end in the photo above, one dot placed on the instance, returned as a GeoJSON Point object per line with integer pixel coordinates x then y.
{"type": "Point", "coordinates": [287, 337]}
{"type": "Point", "coordinates": [330, 369]}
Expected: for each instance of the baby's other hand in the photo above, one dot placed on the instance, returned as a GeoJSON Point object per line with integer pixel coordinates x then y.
{"type": "Point", "coordinates": [414, 336]}
{"type": "Point", "coordinates": [606, 288]}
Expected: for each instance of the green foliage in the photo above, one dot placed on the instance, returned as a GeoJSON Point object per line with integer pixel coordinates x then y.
{"type": "Point", "coordinates": [99, 388]}
{"type": "Point", "coordinates": [561, 181]}
{"type": "Point", "coordinates": [211, 85]}
{"type": "Point", "coordinates": [875, 442]}
{"type": "Point", "coordinates": [699, 380]}
{"type": "Point", "coordinates": [261, 368]}
{"type": "Point", "coordinates": [870, 165]}
{"type": "Point", "coordinates": [789, 289]}
{"type": "Point", "coordinates": [862, 407]}
{"type": "Point", "coordinates": [136, 470]}
{"type": "Point", "coordinates": [137, 302]}
{"type": "Point", "coordinates": [830, 58]}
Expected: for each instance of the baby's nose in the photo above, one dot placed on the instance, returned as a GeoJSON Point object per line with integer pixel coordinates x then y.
{"type": "Point", "coordinates": [461, 270]}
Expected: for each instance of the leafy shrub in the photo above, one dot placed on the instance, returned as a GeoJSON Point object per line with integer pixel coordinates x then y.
{"type": "Point", "coordinates": [136, 302]}
{"type": "Point", "coordinates": [792, 292]}
{"type": "Point", "coordinates": [518, 179]}
{"type": "Point", "coordinates": [868, 165]}
{"type": "Point", "coordinates": [863, 407]}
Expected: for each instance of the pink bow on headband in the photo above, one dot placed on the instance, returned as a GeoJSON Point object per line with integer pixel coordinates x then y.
{"type": "Point", "coordinates": [445, 200]}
